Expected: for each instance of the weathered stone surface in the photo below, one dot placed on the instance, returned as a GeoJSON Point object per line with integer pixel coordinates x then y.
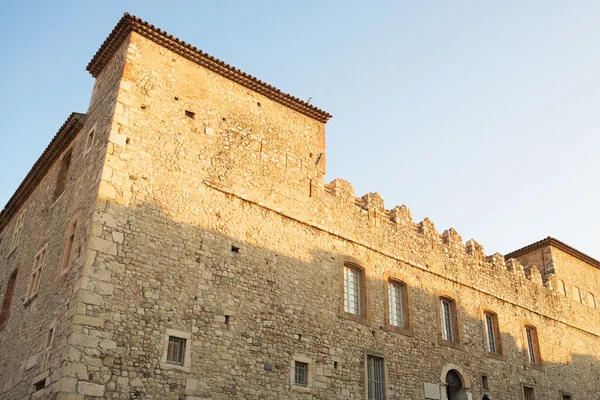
{"type": "Point", "coordinates": [221, 227]}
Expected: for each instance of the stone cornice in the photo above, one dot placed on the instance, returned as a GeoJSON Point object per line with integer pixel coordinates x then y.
{"type": "Point", "coordinates": [59, 143]}
{"type": "Point", "coordinates": [550, 241]}
{"type": "Point", "coordinates": [130, 23]}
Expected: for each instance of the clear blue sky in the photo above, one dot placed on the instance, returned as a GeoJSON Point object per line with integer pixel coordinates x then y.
{"type": "Point", "coordinates": [483, 116]}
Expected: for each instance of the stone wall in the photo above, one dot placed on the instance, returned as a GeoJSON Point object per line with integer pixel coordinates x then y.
{"type": "Point", "coordinates": [213, 220]}
{"type": "Point", "coordinates": [182, 191]}
{"type": "Point", "coordinates": [25, 357]}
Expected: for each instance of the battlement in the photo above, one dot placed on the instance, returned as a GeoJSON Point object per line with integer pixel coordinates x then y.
{"type": "Point", "coordinates": [372, 209]}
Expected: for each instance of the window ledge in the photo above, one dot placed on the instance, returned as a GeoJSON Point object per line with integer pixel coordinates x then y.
{"type": "Point", "coordinates": [447, 343]}
{"type": "Point", "coordinates": [361, 319]}
{"type": "Point", "coordinates": [29, 300]}
{"type": "Point", "coordinates": [539, 367]}
{"type": "Point", "coordinates": [497, 356]}
{"type": "Point", "coordinates": [407, 331]}
{"type": "Point", "coordinates": [12, 251]}
{"type": "Point", "coordinates": [301, 389]}
{"type": "Point", "coordinates": [174, 367]}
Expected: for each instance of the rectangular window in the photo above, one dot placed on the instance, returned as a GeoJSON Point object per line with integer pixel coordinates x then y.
{"type": "Point", "coordinates": [66, 261]}
{"type": "Point", "coordinates": [395, 304]}
{"type": "Point", "coordinates": [351, 290]}
{"type": "Point", "coordinates": [375, 378]}
{"type": "Point", "coordinates": [36, 275]}
{"type": "Point", "coordinates": [17, 232]}
{"type": "Point", "coordinates": [566, 397]}
{"type": "Point", "coordinates": [300, 374]}
{"type": "Point", "coordinates": [446, 320]}
{"type": "Point", "coordinates": [491, 335]}
{"type": "Point", "coordinates": [63, 173]}
{"type": "Point", "coordinates": [531, 345]}
{"type": "Point", "coordinates": [528, 393]}
{"type": "Point", "coordinates": [176, 351]}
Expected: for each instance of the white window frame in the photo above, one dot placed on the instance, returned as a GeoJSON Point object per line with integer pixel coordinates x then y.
{"type": "Point", "coordinates": [531, 338]}
{"type": "Point", "coordinates": [490, 330]}
{"type": "Point", "coordinates": [352, 283]}
{"type": "Point", "coordinates": [446, 320]}
{"type": "Point", "coordinates": [396, 303]}
{"type": "Point", "coordinates": [36, 275]}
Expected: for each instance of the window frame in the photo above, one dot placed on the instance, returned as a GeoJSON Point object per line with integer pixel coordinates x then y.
{"type": "Point", "coordinates": [525, 387]}
{"type": "Point", "coordinates": [62, 178]}
{"type": "Point", "coordinates": [90, 145]}
{"type": "Point", "coordinates": [534, 347]}
{"type": "Point", "coordinates": [18, 229]}
{"type": "Point", "coordinates": [180, 354]}
{"type": "Point", "coordinates": [454, 322]}
{"type": "Point", "coordinates": [296, 358]}
{"type": "Point", "coordinates": [393, 278]}
{"type": "Point", "coordinates": [373, 354]}
{"type": "Point", "coordinates": [187, 361]}
{"type": "Point", "coordinates": [364, 294]}
{"type": "Point", "coordinates": [485, 314]}
{"type": "Point", "coordinates": [35, 278]}
{"type": "Point", "coordinates": [69, 246]}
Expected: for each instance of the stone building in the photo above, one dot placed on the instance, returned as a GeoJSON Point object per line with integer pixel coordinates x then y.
{"type": "Point", "coordinates": [178, 241]}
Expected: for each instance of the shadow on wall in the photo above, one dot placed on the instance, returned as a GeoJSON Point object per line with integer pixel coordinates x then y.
{"type": "Point", "coordinates": [256, 292]}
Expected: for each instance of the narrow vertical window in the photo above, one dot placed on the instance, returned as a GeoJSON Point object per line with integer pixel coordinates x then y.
{"type": "Point", "coordinates": [491, 339]}
{"type": "Point", "coordinates": [591, 300]}
{"type": "Point", "coordinates": [89, 141]}
{"type": "Point", "coordinates": [63, 173]}
{"type": "Point", "coordinates": [69, 243]}
{"type": "Point", "coordinates": [396, 303]}
{"type": "Point", "coordinates": [375, 378]}
{"type": "Point", "coordinates": [36, 275]}
{"type": "Point", "coordinates": [533, 352]}
{"type": "Point", "coordinates": [17, 232]}
{"type": "Point", "coordinates": [176, 351]}
{"type": "Point", "coordinates": [8, 297]}
{"type": "Point", "coordinates": [300, 374]}
{"type": "Point", "coordinates": [352, 290]}
{"type": "Point", "coordinates": [447, 317]}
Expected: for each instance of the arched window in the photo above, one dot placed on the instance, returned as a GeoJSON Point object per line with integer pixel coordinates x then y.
{"type": "Point", "coordinates": [448, 320]}
{"type": "Point", "coordinates": [532, 345]}
{"type": "Point", "coordinates": [61, 181]}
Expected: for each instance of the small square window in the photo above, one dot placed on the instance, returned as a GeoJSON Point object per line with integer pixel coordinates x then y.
{"type": "Point", "coordinates": [301, 374]}
{"type": "Point", "coordinates": [176, 351]}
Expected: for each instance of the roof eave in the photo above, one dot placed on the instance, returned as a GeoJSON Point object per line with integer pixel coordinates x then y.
{"type": "Point", "coordinates": [129, 23]}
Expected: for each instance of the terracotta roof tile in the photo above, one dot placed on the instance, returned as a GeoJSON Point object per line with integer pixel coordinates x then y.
{"type": "Point", "coordinates": [550, 241]}
{"type": "Point", "coordinates": [130, 23]}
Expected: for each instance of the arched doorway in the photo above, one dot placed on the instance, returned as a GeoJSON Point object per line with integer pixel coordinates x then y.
{"type": "Point", "coordinates": [454, 387]}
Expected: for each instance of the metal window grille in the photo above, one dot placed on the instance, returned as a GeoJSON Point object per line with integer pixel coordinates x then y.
{"type": "Point", "coordinates": [395, 302]}
{"type": "Point", "coordinates": [351, 291]}
{"type": "Point", "coordinates": [176, 351]}
{"type": "Point", "coordinates": [530, 345]}
{"type": "Point", "coordinates": [375, 378]}
{"type": "Point", "coordinates": [446, 314]}
{"type": "Point", "coordinates": [528, 393]}
{"type": "Point", "coordinates": [301, 374]}
{"type": "Point", "coordinates": [489, 322]}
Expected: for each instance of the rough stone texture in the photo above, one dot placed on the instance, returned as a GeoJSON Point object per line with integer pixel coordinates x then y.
{"type": "Point", "coordinates": [164, 198]}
